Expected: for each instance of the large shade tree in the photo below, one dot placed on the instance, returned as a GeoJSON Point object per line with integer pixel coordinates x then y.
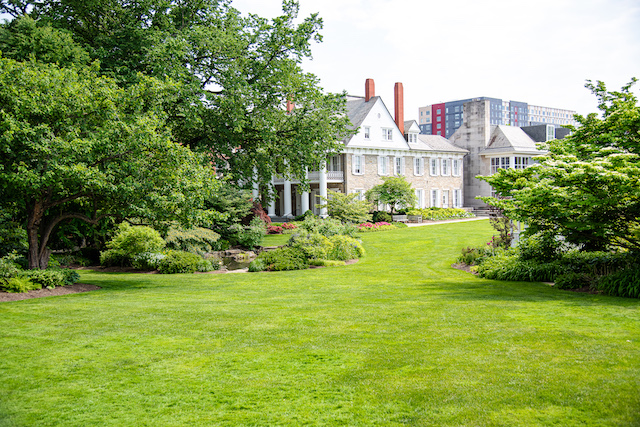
{"type": "Point", "coordinates": [235, 73]}
{"type": "Point", "coordinates": [587, 188]}
{"type": "Point", "coordinates": [76, 145]}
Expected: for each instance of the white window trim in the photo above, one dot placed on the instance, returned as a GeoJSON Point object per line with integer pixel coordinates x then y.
{"type": "Point", "coordinates": [437, 198]}
{"type": "Point", "coordinates": [420, 163]}
{"type": "Point", "coordinates": [456, 171]}
{"type": "Point", "coordinates": [359, 192]}
{"type": "Point", "coordinates": [383, 165]}
{"type": "Point", "coordinates": [367, 132]}
{"type": "Point", "coordinates": [402, 166]}
{"type": "Point", "coordinates": [433, 172]}
{"type": "Point", "coordinates": [353, 164]}
{"type": "Point", "coordinates": [387, 134]}
{"type": "Point", "coordinates": [420, 197]}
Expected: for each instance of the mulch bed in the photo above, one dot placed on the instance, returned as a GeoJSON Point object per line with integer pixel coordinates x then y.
{"type": "Point", "coordinates": [41, 293]}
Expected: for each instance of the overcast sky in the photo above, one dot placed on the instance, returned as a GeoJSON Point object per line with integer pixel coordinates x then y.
{"type": "Point", "coordinates": [540, 52]}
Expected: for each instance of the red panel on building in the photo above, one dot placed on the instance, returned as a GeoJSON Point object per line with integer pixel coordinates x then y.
{"type": "Point", "coordinates": [434, 119]}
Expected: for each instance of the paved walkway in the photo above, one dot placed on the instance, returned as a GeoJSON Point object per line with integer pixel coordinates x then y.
{"type": "Point", "coordinates": [445, 221]}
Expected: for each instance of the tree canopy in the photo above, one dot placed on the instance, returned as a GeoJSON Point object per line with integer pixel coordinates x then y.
{"type": "Point", "coordinates": [587, 188]}
{"type": "Point", "coordinates": [394, 191]}
{"type": "Point", "coordinates": [75, 145]}
{"type": "Point", "coordinates": [235, 75]}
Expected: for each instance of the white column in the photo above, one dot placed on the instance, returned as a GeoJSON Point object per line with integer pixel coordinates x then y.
{"type": "Point", "coordinates": [323, 187]}
{"type": "Point", "coordinates": [271, 211]}
{"type": "Point", "coordinates": [304, 202]}
{"type": "Point", "coordinates": [255, 191]}
{"type": "Point", "coordinates": [287, 199]}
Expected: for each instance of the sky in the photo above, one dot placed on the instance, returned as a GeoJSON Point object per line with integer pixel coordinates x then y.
{"type": "Point", "coordinates": [540, 52]}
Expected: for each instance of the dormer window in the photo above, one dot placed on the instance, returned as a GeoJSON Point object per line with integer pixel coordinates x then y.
{"type": "Point", "coordinates": [412, 137]}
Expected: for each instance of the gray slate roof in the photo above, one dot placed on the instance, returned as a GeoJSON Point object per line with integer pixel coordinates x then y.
{"type": "Point", "coordinates": [358, 109]}
{"type": "Point", "coordinates": [510, 138]}
{"type": "Point", "coordinates": [435, 143]}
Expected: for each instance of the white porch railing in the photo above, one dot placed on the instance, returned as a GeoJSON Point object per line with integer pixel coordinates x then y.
{"type": "Point", "coordinates": [314, 177]}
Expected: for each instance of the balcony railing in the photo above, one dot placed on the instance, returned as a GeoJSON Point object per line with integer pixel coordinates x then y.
{"type": "Point", "coordinates": [314, 177]}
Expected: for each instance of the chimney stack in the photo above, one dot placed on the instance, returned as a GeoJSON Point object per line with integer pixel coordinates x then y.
{"type": "Point", "coordinates": [290, 105]}
{"type": "Point", "coordinates": [369, 90]}
{"type": "Point", "coordinates": [399, 106]}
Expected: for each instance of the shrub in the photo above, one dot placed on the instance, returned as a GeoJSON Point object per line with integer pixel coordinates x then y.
{"type": "Point", "coordinates": [274, 229]}
{"type": "Point", "coordinates": [344, 248]}
{"type": "Point", "coordinates": [597, 263]}
{"type": "Point", "coordinates": [367, 227]}
{"type": "Point", "coordinates": [248, 237]}
{"type": "Point", "coordinates": [313, 245]}
{"type": "Point", "coordinates": [69, 276]}
{"type": "Point", "coordinates": [573, 280]}
{"type": "Point", "coordinates": [147, 261]}
{"type": "Point", "coordinates": [326, 263]}
{"type": "Point", "coordinates": [505, 265]}
{"type": "Point", "coordinates": [381, 216]}
{"type": "Point", "coordinates": [434, 214]}
{"type": "Point", "coordinates": [19, 285]}
{"type": "Point", "coordinates": [257, 265]}
{"type": "Point", "coordinates": [286, 258]}
{"type": "Point", "coordinates": [540, 246]}
{"type": "Point", "coordinates": [622, 283]}
{"type": "Point", "coordinates": [328, 227]}
{"type": "Point", "coordinates": [473, 256]}
{"type": "Point", "coordinates": [346, 207]}
{"type": "Point", "coordinates": [115, 258]}
{"type": "Point", "coordinates": [8, 267]}
{"type": "Point", "coordinates": [179, 262]}
{"type": "Point", "coordinates": [196, 240]}
{"type": "Point", "coordinates": [46, 278]}
{"type": "Point", "coordinates": [289, 226]}
{"type": "Point", "coordinates": [134, 240]}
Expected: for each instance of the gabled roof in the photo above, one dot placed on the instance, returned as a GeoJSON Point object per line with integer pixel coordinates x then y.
{"type": "Point", "coordinates": [435, 143]}
{"type": "Point", "coordinates": [510, 139]}
{"type": "Point", "coordinates": [358, 109]}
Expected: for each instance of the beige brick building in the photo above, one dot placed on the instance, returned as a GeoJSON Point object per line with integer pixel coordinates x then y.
{"type": "Point", "coordinates": [383, 146]}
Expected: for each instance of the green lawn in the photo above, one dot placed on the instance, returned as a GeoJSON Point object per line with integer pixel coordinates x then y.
{"type": "Point", "coordinates": [399, 338]}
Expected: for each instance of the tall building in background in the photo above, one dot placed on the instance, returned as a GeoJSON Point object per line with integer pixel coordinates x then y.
{"type": "Point", "coordinates": [445, 118]}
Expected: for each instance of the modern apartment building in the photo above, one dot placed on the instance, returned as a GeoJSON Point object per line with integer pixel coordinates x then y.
{"type": "Point", "coordinates": [445, 118]}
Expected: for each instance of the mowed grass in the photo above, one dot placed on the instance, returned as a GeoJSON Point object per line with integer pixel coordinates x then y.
{"type": "Point", "coordinates": [400, 338]}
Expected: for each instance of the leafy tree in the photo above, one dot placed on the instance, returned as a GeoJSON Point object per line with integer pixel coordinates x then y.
{"type": "Point", "coordinates": [235, 75]}
{"type": "Point", "coordinates": [346, 208]}
{"type": "Point", "coordinates": [394, 191]}
{"type": "Point", "coordinates": [587, 188]}
{"type": "Point", "coordinates": [75, 145]}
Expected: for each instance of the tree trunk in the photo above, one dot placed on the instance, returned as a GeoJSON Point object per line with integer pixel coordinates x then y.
{"type": "Point", "coordinates": [33, 226]}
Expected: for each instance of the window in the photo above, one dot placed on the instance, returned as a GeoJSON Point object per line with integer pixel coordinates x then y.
{"type": "Point", "coordinates": [439, 126]}
{"type": "Point", "coordinates": [455, 168]}
{"type": "Point", "coordinates": [399, 166]}
{"type": "Point", "coordinates": [521, 162]}
{"type": "Point", "coordinates": [418, 166]}
{"type": "Point", "coordinates": [551, 133]}
{"type": "Point", "coordinates": [499, 163]}
{"type": "Point", "coordinates": [420, 198]}
{"type": "Point", "coordinates": [457, 198]}
{"type": "Point", "coordinates": [367, 132]}
{"type": "Point", "coordinates": [445, 199]}
{"type": "Point", "coordinates": [334, 164]}
{"type": "Point", "coordinates": [439, 111]}
{"type": "Point", "coordinates": [439, 119]}
{"type": "Point", "coordinates": [433, 167]}
{"type": "Point", "coordinates": [445, 167]}
{"type": "Point", "coordinates": [412, 137]}
{"type": "Point", "coordinates": [383, 165]}
{"type": "Point", "coordinates": [434, 198]}
{"type": "Point", "coordinates": [358, 164]}
{"type": "Point", "coordinates": [387, 134]}
{"type": "Point", "coordinates": [360, 193]}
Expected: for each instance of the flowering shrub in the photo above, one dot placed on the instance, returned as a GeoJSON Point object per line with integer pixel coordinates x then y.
{"type": "Point", "coordinates": [289, 226]}
{"type": "Point", "coordinates": [274, 229]}
{"type": "Point", "coordinates": [367, 227]}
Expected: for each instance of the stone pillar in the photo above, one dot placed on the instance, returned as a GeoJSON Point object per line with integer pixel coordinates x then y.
{"type": "Point", "coordinates": [271, 211]}
{"type": "Point", "coordinates": [323, 187]}
{"type": "Point", "coordinates": [287, 200]}
{"type": "Point", "coordinates": [304, 201]}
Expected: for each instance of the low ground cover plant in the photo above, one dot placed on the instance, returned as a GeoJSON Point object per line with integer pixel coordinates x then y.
{"type": "Point", "coordinates": [368, 227]}
{"type": "Point", "coordinates": [435, 214]}
{"type": "Point", "coordinates": [14, 279]}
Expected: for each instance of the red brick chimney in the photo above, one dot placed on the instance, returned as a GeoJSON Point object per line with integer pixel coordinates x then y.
{"type": "Point", "coordinates": [399, 106]}
{"type": "Point", "coordinates": [290, 105]}
{"type": "Point", "coordinates": [369, 90]}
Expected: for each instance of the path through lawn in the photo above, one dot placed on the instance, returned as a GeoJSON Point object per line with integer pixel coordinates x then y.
{"type": "Point", "coordinates": [399, 338]}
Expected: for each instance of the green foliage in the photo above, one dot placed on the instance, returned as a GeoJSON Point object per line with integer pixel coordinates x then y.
{"type": "Point", "coordinates": [77, 146]}
{"type": "Point", "coordinates": [326, 263]}
{"type": "Point", "coordinates": [250, 236]}
{"type": "Point", "coordinates": [541, 246]}
{"type": "Point", "coordinates": [285, 258]}
{"type": "Point", "coordinates": [328, 227]}
{"type": "Point", "coordinates": [622, 283]}
{"type": "Point", "coordinates": [13, 237]}
{"type": "Point", "coordinates": [257, 265]}
{"type": "Point", "coordinates": [573, 280]}
{"type": "Point", "coordinates": [8, 267]}
{"type": "Point", "coordinates": [346, 207]}
{"type": "Point", "coordinates": [147, 261]}
{"type": "Point", "coordinates": [435, 214]}
{"type": "Point", "coordinates": [196, 240]}
{"type": "Point", "coordinates": [19, 284]}
{"type": "Point", "coordinates": [313, 245]}
{"type": "Point", "coordinates": [474, 256]}
{"type": "Point", "coordinates": [505, 265]}
{"type": "Point", "coordinates": [134, 240]}
{"type": "Point", "coordinates": [394, 191]}
{"type": "Point", "coordinates": [368, 227]}
{"type": "Point", "coordinates": [183, 262]}
{"type": "Point", "coordinates": [114, 258]}
{"type": "Point", "coordinates": [381, 216]}
{"type": "Point", "coordinates": [587, 188]}
{"type": "Point", "coordinates": [345, 248]}
{"type": "Point", "coordinates": [50, 278]}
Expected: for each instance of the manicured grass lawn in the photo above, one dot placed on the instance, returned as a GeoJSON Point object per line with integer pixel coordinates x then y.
{"type": "Point", "coordinates": [399, 338]}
